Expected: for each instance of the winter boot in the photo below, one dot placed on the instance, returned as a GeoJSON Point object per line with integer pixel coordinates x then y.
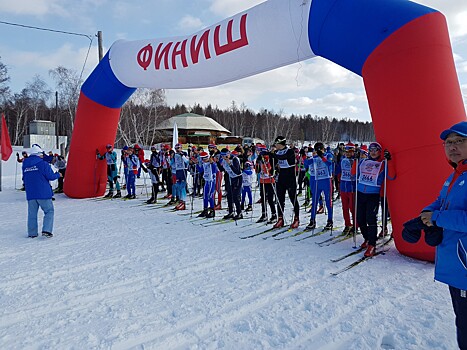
{"type": "Point", "coordinates": [383, 233]}
{"type": "Point", "coordinates": [370, 251]}
{"type": "Point", "coordinates": [210, 213]}
{"type": "Point", "coordinates": [47, 234]}
{"type": "Point", "coordinates": [272, 219]}
{"type": "Point", "coordinates": [181, 206]}
{"type": "Point", "coordinates": [118, 195]}
{"type": "Point", "coordinates": [203, 213]}
{"type": "Point", "coordinates": [328, 225]}
{"type": "Point", "coordinates": [295, 222]}
{"type": "Point", "coordinates": [239, 216]}
{"type": "Point", "coordinates": [109, 195]}
{"type": "Point", "coordinates": [228, 216]}
{"type": "Point", "coordinates": [320, 210]}
{"type": "Point", "coordinates": [364, 245]}
{"type": "Point", "coordinates": [249, 208]}
{"type": "Point", "coordinates": [263, 218]}
{"type": "Point", "coordinates": [279, 223]}
{"type": "Point", "coordinates": [311, 225]}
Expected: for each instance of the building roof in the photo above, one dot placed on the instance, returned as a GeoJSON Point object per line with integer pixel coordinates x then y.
{"type": "Point", "coordinates": [192, 121]}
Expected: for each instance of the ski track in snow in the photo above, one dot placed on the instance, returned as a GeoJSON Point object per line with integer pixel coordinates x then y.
{"type": "Point", "coordinates": [117, 276]}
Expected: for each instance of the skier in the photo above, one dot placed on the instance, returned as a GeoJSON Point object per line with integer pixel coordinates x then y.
{"type": "Point", "coordinates": [233, 183]}
{"type": "Point", "coordinates": [286, 181]}
{"type": "Point", "coordinates": [179, 166]}
{"type": "Point", "coordinates": [247, 180]}
{"type": "Point", "coordinates": [322, 165]}
{"type": "Point", "coordinates": [152, 167]}
{"type": "Point", "coordinates": [60, 164]}
{"type": "Point", "coordinates": [132, 163]}
{"type": "Point", "coordinates": [265, 168]}
{"type": "Point", "coordinates": [139, 152]}
{"type": "Point", "coordinates": [371, 174]}
{"type": "Point", "coordinates": [347, 187]}
{"type": "Point", "coordinates": [112, 176]}
{"type": "Point", "coordinates": [208, 170]}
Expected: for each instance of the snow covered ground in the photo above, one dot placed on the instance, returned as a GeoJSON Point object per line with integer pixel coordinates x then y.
{"type": "Point", "coordinates": [121, 276]}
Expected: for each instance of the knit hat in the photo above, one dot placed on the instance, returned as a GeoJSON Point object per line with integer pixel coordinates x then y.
{"type": "Point", "coordinates": [459, 128]}
{"type": "Point", "coordinates": [350, 146]}
{"type": "Point", "coordinates": [225, 152]}
{"type": "Point", "coordinates": [212, 145]}
{"type": "Point", "coordinates": [204, 155]}
{"type": "Point", "coordinates": [247, 165]}
{"type": "Point", "coordinates": [375, 145]}
{"type": "Point", "coordinates": [35, 150]}
{"type": "Point", "coordinates": [281, 140]}
{"type": "Point", "coordinates": [364, 149]}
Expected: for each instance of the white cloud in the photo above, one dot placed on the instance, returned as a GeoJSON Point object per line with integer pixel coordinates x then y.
{"type": "Point", "coordinates": [189, 23]}
{"type": "Point", "coordinates": [32, 7]}
{"type": "Point", "coordinates": [231, 7]}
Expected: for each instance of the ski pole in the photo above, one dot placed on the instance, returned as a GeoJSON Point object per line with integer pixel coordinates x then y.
{"type": "Point", "coordinates": [193, 194]}
{"type": "Point", "coordinates": [16, 171]}
{"type": "Point", "coordinates": [384, 197]}
{"type": "Point", "coordinates": [355, 209]}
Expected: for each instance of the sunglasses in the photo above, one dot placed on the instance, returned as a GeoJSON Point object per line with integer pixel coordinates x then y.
{"type": "Point", "coordinates": [374, 149]}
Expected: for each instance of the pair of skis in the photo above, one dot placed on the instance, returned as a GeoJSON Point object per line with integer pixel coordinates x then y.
{"type": "Point", "coordinates": [381, 250]}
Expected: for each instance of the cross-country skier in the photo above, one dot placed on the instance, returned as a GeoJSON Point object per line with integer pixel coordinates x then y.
{"type": "Point", "coordinates": [110, 157]}
{"type": "Point", "coordinates": [233, 183]}
{"type": "Point", "coordinates": [132, 162]}
{"type": "Point", "coordinates": [208, 170]}
{"type": "Point", "coordinates": [179, 165]}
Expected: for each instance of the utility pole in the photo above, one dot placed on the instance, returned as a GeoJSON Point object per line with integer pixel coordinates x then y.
{"type": "Point", "coordinates": [56, 120]}
{"type": "Point", "coordinates": [99, 44]}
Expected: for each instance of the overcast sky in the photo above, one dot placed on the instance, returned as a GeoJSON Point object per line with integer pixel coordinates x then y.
{"type": "Point", "coordinates": [316, 86]}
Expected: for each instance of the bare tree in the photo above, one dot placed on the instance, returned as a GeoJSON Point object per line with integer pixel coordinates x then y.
{"type": "Point", "coordinates": [38, 93]}
{"type": "Point", "coordinates": [4, 78]}
{"type": "Point", "coordinates": [68, 83]}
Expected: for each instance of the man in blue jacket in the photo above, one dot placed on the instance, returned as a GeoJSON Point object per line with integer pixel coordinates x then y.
{"type": "Point", "coordinates": [36, 175]}
{"type": "Point", "coordinates": [449, 211]}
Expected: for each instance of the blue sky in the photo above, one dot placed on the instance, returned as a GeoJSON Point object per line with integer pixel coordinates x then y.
{"type": "Point", "coordinates": [316, 86]}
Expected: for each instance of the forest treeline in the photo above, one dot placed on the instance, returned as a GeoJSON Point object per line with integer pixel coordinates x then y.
{"type": "Point", "coordinates": [147, 108]}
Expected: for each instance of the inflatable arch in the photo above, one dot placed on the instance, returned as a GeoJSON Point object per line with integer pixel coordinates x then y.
{"type": "Point", "coordinates": [400, 48]}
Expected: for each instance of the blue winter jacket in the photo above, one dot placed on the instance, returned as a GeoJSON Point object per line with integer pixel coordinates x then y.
{"type": "Point", "coordinates": [450, 213]}
{"type": "Point", "coordinates": [36, 176]}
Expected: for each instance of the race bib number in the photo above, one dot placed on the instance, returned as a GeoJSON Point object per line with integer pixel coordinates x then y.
{"type": "Point", "coordinates": [369, 172]}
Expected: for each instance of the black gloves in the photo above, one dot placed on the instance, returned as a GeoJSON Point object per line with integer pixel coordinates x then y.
{"type": "Point", "coordinates": [17, 155]}
{"type": "Point", "coordinates": [387, 155]}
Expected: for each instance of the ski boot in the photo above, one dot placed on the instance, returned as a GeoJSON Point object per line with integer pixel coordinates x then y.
{"type": "Point", "coordinates": [239, 216]}
{"type": "Point", "coordinates": [109, 194]}
{"type": "Point", "coordinates": [262, 218]}
{"type": "Point", "coordinates": [249, 208]}
{"type": "Point", "coordinates": [320, 210]}
{"type": "Point", "coordinates": [133, 196]}
{"type": "Point", "coordinates": [370, 251]}
{"type": "Point", "coordinates": [311, 225]}
{"type": "Point", "coordinates": [279, 223]}
{"type": "Point", "coordinates": [295, 222]}
{"type": "Point", "coordinates": [203, 213]}
{"type": "Point", "coordinates": [151, 200]}
{"type": "Point", "coordinates": [172, 201]}
{"type": "Point", "coordinates": [118, 195]}
{"type": "Point", "coordinates": [181, 206]}
{"type": "Point", "coordinates": [272, 219]}
{"type": "Point", "coordinates": [128, 196]}
{"type": "Point", "coordinates": [228, 216]}
{"type": "Point", "coordinates": [328, 226]}
{"type": "Point", "coordinates": [364, 245]}
{"type": "Point", "coordinates": [210, 213]}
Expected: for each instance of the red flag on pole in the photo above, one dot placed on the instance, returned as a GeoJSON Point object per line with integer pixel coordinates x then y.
{"type": "Point", "coordinates": [6, 149]}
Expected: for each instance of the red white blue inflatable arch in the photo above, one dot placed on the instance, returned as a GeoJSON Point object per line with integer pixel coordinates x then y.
{"type": "Point", "coordinates": [400, 48]}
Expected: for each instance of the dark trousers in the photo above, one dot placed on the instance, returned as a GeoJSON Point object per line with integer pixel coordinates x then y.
{"type": "Point", "coordinates": [459, 302]}
{"type": "Point", "coordinates": [167, 178]}
{"type": "Point", "coordinates": [268, 196]}
{"type": "Point", "coordinates": [291, 188]}
{"type": "Point", "coordinates": [367, 211]}
{"type": "Point", "coordinates": [233, 188]}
